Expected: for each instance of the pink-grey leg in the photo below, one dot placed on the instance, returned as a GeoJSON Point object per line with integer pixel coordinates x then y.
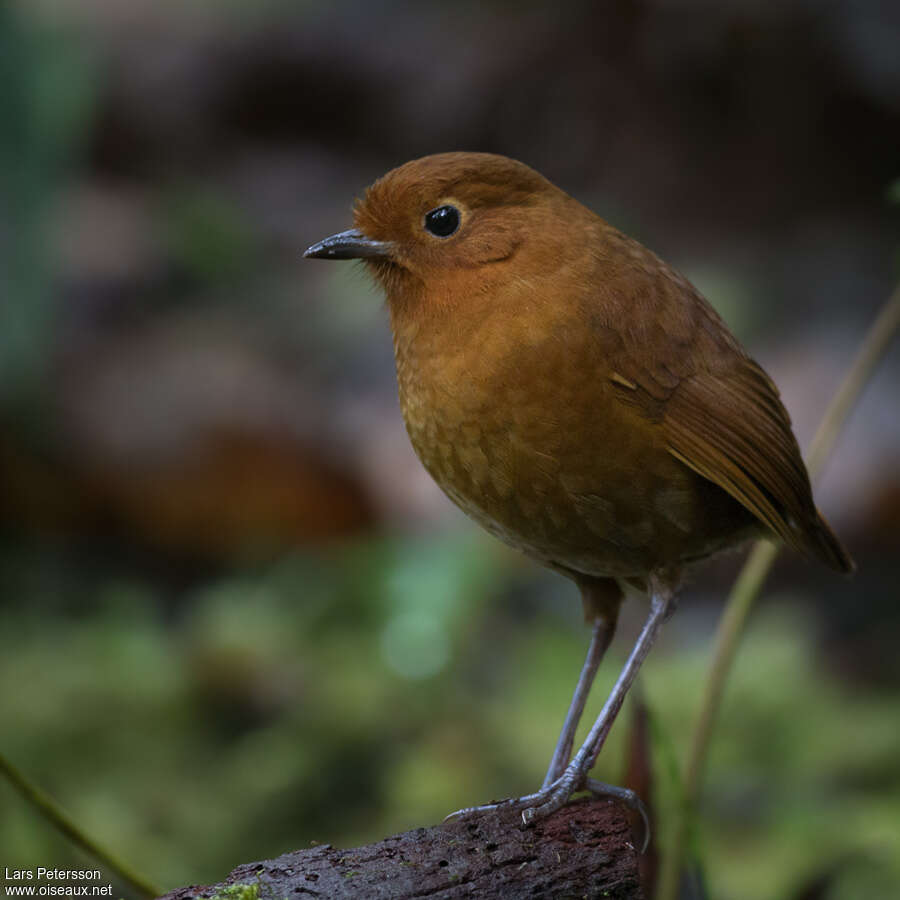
{"type": "Point", "coordinates": [554, 795]}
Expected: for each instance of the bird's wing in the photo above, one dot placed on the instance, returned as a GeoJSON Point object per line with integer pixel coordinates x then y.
{"type": "Point", "coordinates": [672, 358]}
{"type": "Point", "coordinates": [729, 426]}
{"type": "Point", "coordinates": [732, 428]}
{"type": "Point", "coordinates": [721, 415]}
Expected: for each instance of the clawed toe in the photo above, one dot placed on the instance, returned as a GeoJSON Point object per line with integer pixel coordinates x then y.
{"type": "Point", "coordinates": [472, 810]}
{"type": "Point", "coordinates": [512, 803]}
{"type": "Point", "coordinates": [534, 807]}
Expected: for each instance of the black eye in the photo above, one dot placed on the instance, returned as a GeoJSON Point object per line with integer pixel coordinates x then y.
{"type": "Point", "coordinates": [443, 221]}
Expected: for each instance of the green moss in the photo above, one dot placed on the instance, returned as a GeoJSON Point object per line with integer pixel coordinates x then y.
{"type": "Point", "coordinates": [238, 892]}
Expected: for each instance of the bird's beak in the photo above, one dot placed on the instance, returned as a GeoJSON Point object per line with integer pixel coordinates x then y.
{"type": "Point", "coordinates": [350, 244]}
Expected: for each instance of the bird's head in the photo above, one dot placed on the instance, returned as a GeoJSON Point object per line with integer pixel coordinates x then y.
{"type": "Point", "coordinates": [455, 219]}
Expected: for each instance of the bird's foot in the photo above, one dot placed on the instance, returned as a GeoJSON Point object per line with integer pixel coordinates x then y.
{"type": "Point", "coordinates": [533, 807]}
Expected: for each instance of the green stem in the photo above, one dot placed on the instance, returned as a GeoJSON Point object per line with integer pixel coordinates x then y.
{"type": "Point", "coordinates": [748, 585]}
{"type": "Point", "coordinates": [51, 811]}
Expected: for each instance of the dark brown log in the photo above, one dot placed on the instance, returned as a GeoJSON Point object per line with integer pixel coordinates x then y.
{"type": "Point", "coordinates": [584, 850]}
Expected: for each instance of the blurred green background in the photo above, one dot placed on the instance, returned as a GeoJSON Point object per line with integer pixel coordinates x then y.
{"type": "Point", "coordinates": [235, 614]}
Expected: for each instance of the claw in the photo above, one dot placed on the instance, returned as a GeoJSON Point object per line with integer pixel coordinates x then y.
{"type": "Point", "coordinates": [510, 803]}
{"type": "Point", "coordinates": [469, 810]}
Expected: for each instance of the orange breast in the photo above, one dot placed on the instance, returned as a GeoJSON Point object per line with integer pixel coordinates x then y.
{"type": "Point", "coordinates": [518, 422]}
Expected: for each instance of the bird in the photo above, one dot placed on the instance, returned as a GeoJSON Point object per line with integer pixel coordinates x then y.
{"type": "Point", "coordinates": [579, 399]}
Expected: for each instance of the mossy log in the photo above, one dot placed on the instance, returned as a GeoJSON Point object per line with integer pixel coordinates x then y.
{"type": "Point", "coordinates": [584, 850]}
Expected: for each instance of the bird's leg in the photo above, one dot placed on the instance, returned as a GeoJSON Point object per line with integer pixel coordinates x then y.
{"type": "Point", "coordinates": [553, 796]}
{"type": "Point", "coordinates": [548, 800]}
{"type": "Point", "coordinates": [600, 638]}
{"type": "Point", "coordinates": [601, 599]}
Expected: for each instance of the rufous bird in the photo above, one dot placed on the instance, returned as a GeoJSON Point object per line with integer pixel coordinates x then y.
{"type": "Point", "coordinates": [579, 399]}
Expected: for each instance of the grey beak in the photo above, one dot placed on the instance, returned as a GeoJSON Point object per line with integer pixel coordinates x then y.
{"type": "Point", "coordinates": [350, 244]}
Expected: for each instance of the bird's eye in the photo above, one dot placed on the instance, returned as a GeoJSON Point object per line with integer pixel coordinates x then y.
{"type": "Point", "coordinates": [443, 221]}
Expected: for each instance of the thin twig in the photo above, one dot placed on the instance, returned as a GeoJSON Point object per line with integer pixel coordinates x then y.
{"type": "Point", "coordinates": [749, 583]}
{"type": "Point", "coordinates": [51, 811]}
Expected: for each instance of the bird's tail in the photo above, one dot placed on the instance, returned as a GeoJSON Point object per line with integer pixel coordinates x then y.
{"type": "Point", "coordinates": [823, 543]}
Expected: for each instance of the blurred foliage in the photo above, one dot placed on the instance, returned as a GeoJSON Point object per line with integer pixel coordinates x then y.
{"type": "Point", "coordinates": [207, 237]}
{"type": "Point", "coordinates": [346, 696]}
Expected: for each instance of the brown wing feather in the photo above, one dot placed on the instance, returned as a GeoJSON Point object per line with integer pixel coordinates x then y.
{"type": "Point", "coordinates": [720, 413]}
{"type": "Point", "coordinates": [727, 428]}
{"type": "Point", "coordinates": [733, 429]}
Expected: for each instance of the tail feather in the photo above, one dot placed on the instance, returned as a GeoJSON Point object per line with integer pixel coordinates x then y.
{"type": "Point", "coordinates": [823, 543]}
